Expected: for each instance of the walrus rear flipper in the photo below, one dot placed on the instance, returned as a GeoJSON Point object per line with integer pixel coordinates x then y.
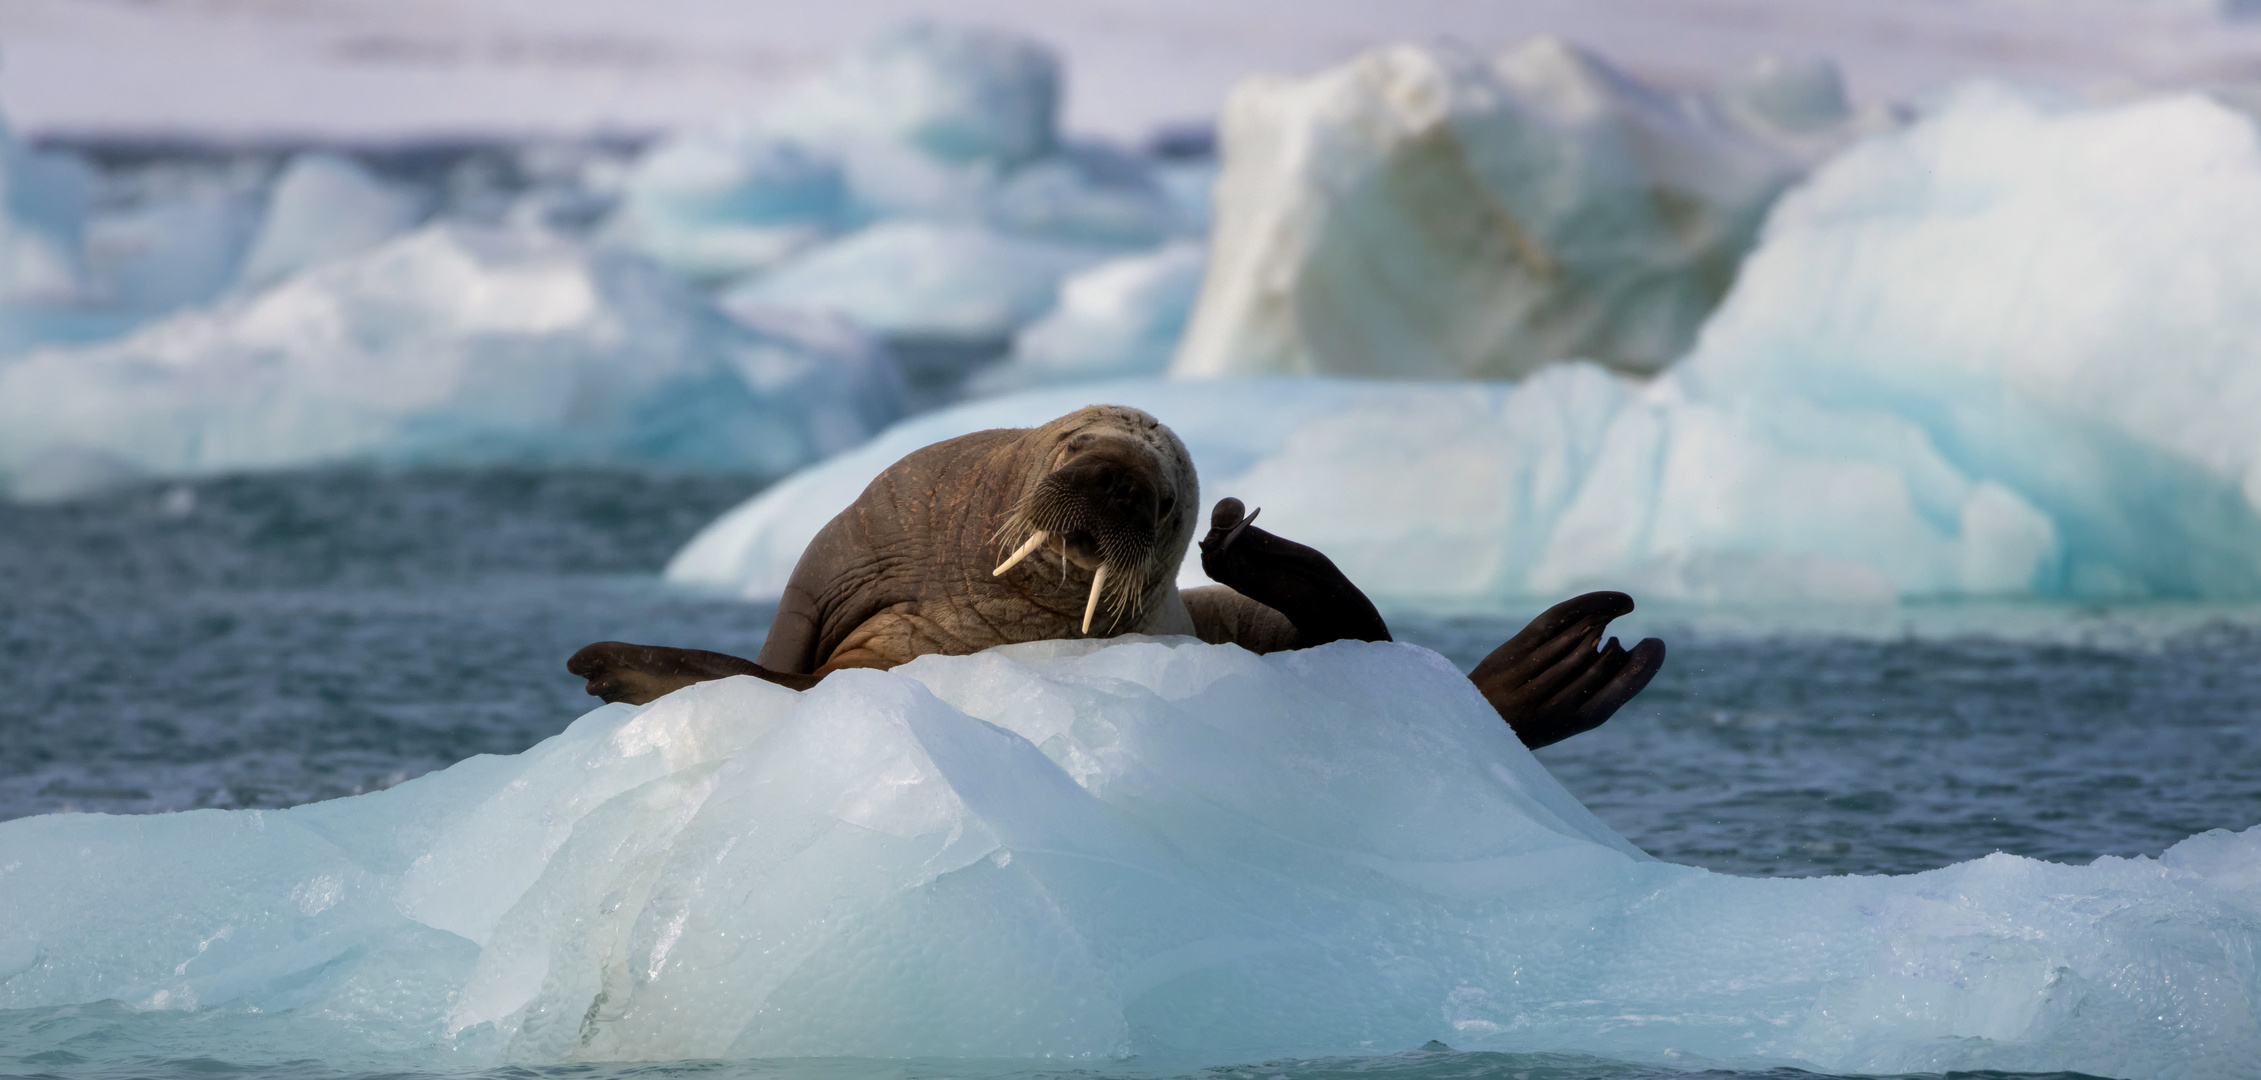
{"type": "Point", "coordinates": [1294, 580]}
{"type": "Point", "coordinates": [639, 674]}
{"type": "Point", "coordinates": [1550, 682]}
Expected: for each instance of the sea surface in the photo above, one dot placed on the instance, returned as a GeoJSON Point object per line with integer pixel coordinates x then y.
{"type": "Point", "coordinates": [268, 641]}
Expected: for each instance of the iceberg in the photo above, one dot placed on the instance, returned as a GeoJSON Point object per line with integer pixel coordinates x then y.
{"type": "Point", "coordinates": [963, 94]}
{"type": "Point", "coordinates": [920, 188]}
{"type": "Point", "coordinates": [924, 280]}
{"type": "Point", "coordinates": [2011, 351]}
{"type": "Point", "coordinates": [1423, 212]}
{"type": "Point", "coordinates": [720, 204]}
{"type": "Point", "coordinates": [450, 344]}
{"type": "Point", "coordinates": [44, 199]}
{"type": "Point", "coordinates": [324, 207]}
{"type": "Point", "coordinates": [179, 239]}
{"type": "Point", "coordinates": [1120, 319]}
{"type": "Point", "coordinates": [1087, 850]}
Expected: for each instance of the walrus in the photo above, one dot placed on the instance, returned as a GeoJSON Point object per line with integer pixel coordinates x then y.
{"type": "Point", "coordinates": [1077, 529]}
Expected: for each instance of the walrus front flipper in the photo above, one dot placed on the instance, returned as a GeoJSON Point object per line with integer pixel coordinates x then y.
{"type": "Point", "coordinates": [639, 674]}
{"type": "Point", "coordinates": [1289, 578]}
{"type": "Point", "coordinates": [1549, 682]}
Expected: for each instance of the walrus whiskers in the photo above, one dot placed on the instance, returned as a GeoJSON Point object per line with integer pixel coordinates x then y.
{"type": "Point", "coordinates": [1098, 583]}
{"type": "Point", "coordinates": [1034, 540]}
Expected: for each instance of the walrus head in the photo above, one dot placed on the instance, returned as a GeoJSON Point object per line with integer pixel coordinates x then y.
{"type": "Point", "coordinates": [1114, 493]}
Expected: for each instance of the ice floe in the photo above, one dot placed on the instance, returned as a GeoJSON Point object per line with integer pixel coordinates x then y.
{"type": "Point", "coordinates": [324, 207]}
{"type": "Point", "coordinates": [43, 205]}
{"type": "Point", "coordinates": [1075, 851]}
{"type": "Point", "coordinates": [2011, 351]}
{"type": "Point", "coordinates": [1120, 319]}
{"type": "Point", "coordinates": [923, 280]}
{"type": "Point", "coordinates": [450, 344]}
{"type": "Point", "coordinates": [1426, 212]}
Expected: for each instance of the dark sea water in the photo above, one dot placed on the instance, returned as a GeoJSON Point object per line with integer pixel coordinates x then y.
{"type": "Point", "coordinates": [262, 642]}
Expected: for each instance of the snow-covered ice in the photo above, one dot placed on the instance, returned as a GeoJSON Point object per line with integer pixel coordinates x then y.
{"type": "Point", "coordinates": [1069, 850]}
{"type": "Point", "coordinates": [2011, 351]}
{"type": "Point", "coordinates": [449, 344]}
{"type": "Point", "coordinates": [1426, 212]}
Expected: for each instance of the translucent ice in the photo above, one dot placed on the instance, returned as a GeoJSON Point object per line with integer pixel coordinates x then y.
{"type": "Point", "coordinates": [325, 207]}
{"type": "Point", "coordinates": [1072, 850]}
{"type": "Point", "coordinates": [449, 344]}
{"type": "Point", "coordinates": [2013, 350]}
{"type": "Point", "coordinates": [1424, 212]}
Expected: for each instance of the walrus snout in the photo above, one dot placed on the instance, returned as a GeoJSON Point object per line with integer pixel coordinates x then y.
{"type": "Point", "coordinates": [1109, 503]}
{"type": "Point", "coordinates": [1112, 484]}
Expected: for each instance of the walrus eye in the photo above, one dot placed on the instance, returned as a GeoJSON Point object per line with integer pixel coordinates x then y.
{"type": "Point", "coordinates": [1169, 504]}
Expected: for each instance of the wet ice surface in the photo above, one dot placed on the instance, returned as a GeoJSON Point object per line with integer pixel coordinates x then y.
{"type": "Point", "coordinates": [265, 642]}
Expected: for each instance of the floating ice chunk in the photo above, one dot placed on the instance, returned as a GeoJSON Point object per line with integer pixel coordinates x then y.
{"type": "Point", "coordinates": [2014, 350]}
{"type": "Point", "coordinates": [2063, 302]}
{"type": "Point", "coordinates": [719, 204]}
{"type": "Point", "coordinates": [43, 205]}
{"type": "Point", "coordinates": [325, 207]}
{"type": "Point", "coordinates": [1089, 192]}
{"type": "Point", "coordinates": [1424, 212]}
{"type": "Point", "coordinates": [176, 234]}
{"type": "Point", "coordinates": [916, 279]}
{"type": "Point", "coordinates": [447, 345]}
{"type": "Point", "coordinates": [1119, 319]}
{"type": "Point", "coordinates": [1076, 849]}
{"type": "Point", "coordinates": [961, 93]}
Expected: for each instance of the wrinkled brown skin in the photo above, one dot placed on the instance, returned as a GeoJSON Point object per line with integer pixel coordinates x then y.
{"type": "Point", "coordinates": [905, 571]}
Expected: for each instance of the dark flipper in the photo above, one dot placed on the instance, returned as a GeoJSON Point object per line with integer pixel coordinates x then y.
{"type": "Point", "coordinates": [638, 674]}
{"type": "Point", "coordinates": [1550, 682]}
{"type": "Point", "coordinates": [1289, 578]}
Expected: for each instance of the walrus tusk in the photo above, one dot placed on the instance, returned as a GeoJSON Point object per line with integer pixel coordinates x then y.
{"type": "Point", "coordinates": [1098, 582]}
{"type": "Point", "coordinates": [1035, 538]}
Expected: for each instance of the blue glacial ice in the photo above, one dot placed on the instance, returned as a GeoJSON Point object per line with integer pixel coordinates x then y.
{"type": "Point", "coordinates": [1425, 212]}
{"type": "Point", "coordinates": [2010, 351]}
{"type": "Point", "coordinates": [1069, 850]}
{"type": "Point", "coordinates": [450, 344]}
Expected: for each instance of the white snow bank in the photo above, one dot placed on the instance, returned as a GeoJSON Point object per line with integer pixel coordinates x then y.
{"type": "Point", "coordinates": [2013, 351]}
{"type": "Point", "coordinates": [1065, 850]}
{"type": "Point", "coordinates": [1428, 213]}
{"type": "Point", "coordinates": [447, 345]}
{"type": "Point", "coordinates": [325, 207]}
